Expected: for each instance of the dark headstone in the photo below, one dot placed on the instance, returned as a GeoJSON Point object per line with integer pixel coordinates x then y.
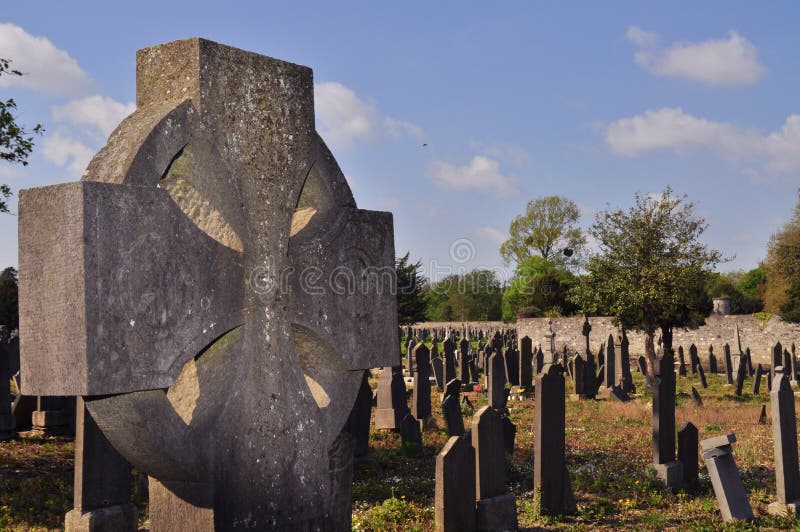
{"type": "Point", "coordinates": [611, 378]}
{"type": "Point", "coordinates": [490, 465]}
{"type": "Point", "coordinates": [625, 363]}
{"type": "Point", "coordinates": [421, 395]}
{"type": "Point", "coordinates": [702, 373]}
{"type": "Point", "coordinates": [712, 361]}
{"type": "Point", "coordinates": [550, 481]}
{"type": "Point", "coordinates": [497, 381]}
{"type": "Point", "coordinates": [762, 417]}
{"type": "Point", "coordinates": [641, 363]}
{"type": "Point", "coordinates": [687, 454]}
{"type": "Point", "coordinates": [453, 420]}
{"type": "Point", "coordinates": [682, 363]}
{"type": "Point", "coordinates": [358, 422]}
{"type": "Point", "coordinates": [453, 389]}
{"type": "Point", "coordinates": [410, 432]}
{"type": "Point", "coordinates": [526, 362]}
{"type": "Point", "coordinates": [577, 375]}
{"type": "Point", "coordinates": [667, 468]}
{"type": "Point", "coordinates": [784, 432]}
{"type": "Point", "coordinates": [437, 366]}
{"type": "Point", "coordinates": [696, 396]}
{"type": "Point", "coordinates": [454, 498]}
{"type": "Point", "coordinates": [757, 379]}
{"type": "Point", "coordinates": [538, 361]}
{"type": "Point", "coordinates": [740, 373]}
{"type": "Point", "coordinates": [509, 435]}
{"type": "Point", "coordinates": [728, 366]}
{"type": "Point", "coordinates": [511, 358]}
{"type": "Point", "coordinates": [728, 488]}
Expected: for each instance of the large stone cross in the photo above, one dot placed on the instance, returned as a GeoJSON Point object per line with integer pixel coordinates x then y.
{"type": "Point", "coordinates": [212, 290]}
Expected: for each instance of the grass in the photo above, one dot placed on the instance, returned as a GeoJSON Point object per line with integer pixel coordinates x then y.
{"type": "Point", "coordinates": [608, 452]}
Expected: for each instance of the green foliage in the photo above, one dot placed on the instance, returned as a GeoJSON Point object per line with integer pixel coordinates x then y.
{"type": "Point", "coordinates": [783, 268]}
{"type": "Point", "coordinates": [548, 226]}
{"type": "Point", "coordinates": [474, 296]}
{"type": "Point", "coordinates": [539, 288]}
{"type": "Point", "coordinates": [728, 285]}
{"type": "Point", "coordinates": [753, 283]}
{"type": "Point", "coordinates": [9, 310]}
{"type": "Point", "coordinates": [652, 270]}
{"type": "Point", "coordinates": [411, 288]}
{"type": "Point", "coordinates": [16, 143]}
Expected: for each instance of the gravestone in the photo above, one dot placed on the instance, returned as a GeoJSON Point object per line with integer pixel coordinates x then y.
{"type": "Point", "coordinates": [777, 360]}
{"type": "Point", "coordinates": [702, 373]}
{"type": "Point", "coordinates": [577, 377]}
{"type": "Point", "coordinates": [451, 410]}
{"type": "Point", "coordinates": [175, 264]}
{"type": "Point", "coordinates": [496, 509]}
{"type": "Point", "coordinates": [526, 362]}
{"type": "Point", "coordinates": [757, 379]}
{"type": "Point", "coordinates": [538, 361]}
{"type": "Point", "coordinates": [463, 360]}
{"type": "Point", "coordinates": [587, 328]}
{"type": "Point", "coordinates": [550, 478]}
{"type": "Point", "coordinates": [641, 363]}
{"type": "Point", "coordinates": [454, 497]}
{"type": "Point", "coordinates": [625, 364]}
{"type": "Point", "coordinates": [682, 363]}
{"type": "Point", "coordinates": [392, 402]}
{"type": "Point", "coordinates": [410, 356]}
{"type": "Point", "coordinates": [102, 490]}
{"type": "Point", "coordinates": [728, 488]}
{"type": "Point", "coordinates": [784, 435]}
{"type": "Point", "coordinates": [437, 366]}
{"type": "Point", "coordinates": [8, 423]}
{"type": "Point", "coordinates": [687, 454]}
{"type": "Point", "coordinates": [667, 468]}
{"type": "Point", "coordinates": [762, 416]}
{"type": "Point", "coordinates": [358, 422]}
{"type": "Point", "coordinates": [410, 432]}
{"type": "Point", "coordinates": [696, 397]}
{"type": "Point", "coordinates": [421, 394]}
{"type": "Point", "coordinates": [509, 434]}
{"type": "Point", "coordinates": [712, 361]}
{"type": "Point", "coordinates": [740, 373]}
{"type": "Point", "coordinates": [453, 388]}
{"type": "Point", "coordinates": [728, 367]}
{"type": "Point", "coordinates": [511, 358]}
{"type": "Point", "coordinates": [497, 381]}
{"type": "Point", "coordinates": [610, 363]}
{"type": "Point", "coordinates": [449, 360]}
{"type": "Point", "coordinates": [694, 360]}
{"type": "Point", "coordinates": [473, 370]}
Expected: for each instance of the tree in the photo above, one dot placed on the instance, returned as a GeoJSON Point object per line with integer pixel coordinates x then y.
{"type": "Point", "coordinates": [474, 296]}
{"type": "Point", "coordinates": [754, 283]}
{"type": "Point", "coordinates": [652, 270]}
{"type": "Point", "coordinates": [730, 285]}
{"type": "Point", "coordinates": [16, 143]}
{"type": "Point", "coordinates": [9, 310]}
{"type": "Point", "coordinates": [412, 304]}
{"type": "Point", "coordinates": [548, 228]}
{"type": "Point", "coordinates": [782, 294]}
{"type": "Point", "coordinates": [538, 288]}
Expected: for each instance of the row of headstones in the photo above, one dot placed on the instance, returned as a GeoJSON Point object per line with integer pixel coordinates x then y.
{"type": "Point", "coordinates": [39, 415]}
{"type": "Point", "coordinates": [471, 491]}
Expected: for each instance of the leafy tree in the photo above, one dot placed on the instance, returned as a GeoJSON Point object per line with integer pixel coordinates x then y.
{"type": "Point", "coordinates": [16, 143]}
{"type": "Point", "coordinates": [538, 288]}
{"type": "Point", "coordinates": [753, 284]}
{"type": "Point", "coordinates": [474, 296]}
{"type": "Point", "coordinates": [783, 269]}
{"type": "Point", "coordinates": [729, 285]}
{"type": "Point", "coordinates": [549, 229]}
{"type": "Point", "coordinates": [412, 304]}
{"type": "Point", "coordinates": [9, 310]}
{"type": "Point", "coordinates": [652, 270]}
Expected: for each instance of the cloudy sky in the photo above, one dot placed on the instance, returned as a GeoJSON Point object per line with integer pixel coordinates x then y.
{"type": "Point", "coordinates": [453, 116]}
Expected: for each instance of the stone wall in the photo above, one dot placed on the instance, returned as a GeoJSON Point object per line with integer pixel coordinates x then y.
{"type": "Point", "coordinates": [717, 331]}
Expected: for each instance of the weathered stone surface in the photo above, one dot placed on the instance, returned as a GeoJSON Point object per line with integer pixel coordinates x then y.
{"type": "Point", "coordinates": [490, 465]}
{"type": "Point", "coordinates": [728, 488]}
{"type": "Point", "coordinates": [784, 432]}
{"type": "Point", "coordinates": [392, 404]}
{"type": "Point", "coordinates": [687, 454]}
{"type": "Point", "coordinates": [176, 263]}
{"type": "Point", "coordinates": [550, 481]}
{"type": "Point", "coordinates": [102, 491]}
{"type": "Point", "coordinates": [497, 381]}
{"type": "Point", "coordinates": [358, 422]}
{"type": "Point", "coordinates": [454, 498]}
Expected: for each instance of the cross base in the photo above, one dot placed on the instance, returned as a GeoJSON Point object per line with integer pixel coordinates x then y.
{"type": "Point", "coordinates": [122, 517]}
{"type": "Point", "coordinates": [671, 473]}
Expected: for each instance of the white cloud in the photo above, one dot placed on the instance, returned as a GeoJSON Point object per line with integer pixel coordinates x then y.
{"type": "Point", "coordinates": [492, 234]}
{"type": "Point", "coordinates": [506, 152]}
{"type": "Point", "coordinates": [673, 129]}
{"type": "Point", "coordinates": [47, 69]}
{"type": "Point", "coordinates": [481, 173]}
{"type": "Point", "coordinates": [640, 37]}
{"type": "Point", "coordinates": [100, 114]}
{"type": "Point", "coordinates": [729, 61]}
{"type": "Point", "coordinates": [65, 151]}
{"type": "Point", "coordinates": [344, 119]}
{"type": "Point", "coordinates": [7, 171]}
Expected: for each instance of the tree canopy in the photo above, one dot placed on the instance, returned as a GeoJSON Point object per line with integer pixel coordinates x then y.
{"type": "Point", "coordinates": [783, 270]}
{"type": "Point", "coordinates": [539, 288]}
{"type": "Point", "coordinates": [473, 296]}
{"type": "Point", "coordinates": [549, 229]}
{"type": "Point", "coordinates": [9, 311]}
{"type": "Point", "coordinates": [16, 142]}
{"type": "Point", "coordinates": [651, 270]}
{"type": "Point", "coordinates": [412, 304]}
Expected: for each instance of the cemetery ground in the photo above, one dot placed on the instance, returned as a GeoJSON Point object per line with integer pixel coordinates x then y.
{"type": "Point", "coordinates": [608, 453]}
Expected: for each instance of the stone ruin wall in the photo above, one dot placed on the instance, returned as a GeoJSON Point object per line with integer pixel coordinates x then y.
{"type": "Point", "coordinates": [717, 331]}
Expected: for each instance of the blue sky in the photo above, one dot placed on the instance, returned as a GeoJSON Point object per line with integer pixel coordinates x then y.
{"type": "Point", "coordinates": [515, 100]}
